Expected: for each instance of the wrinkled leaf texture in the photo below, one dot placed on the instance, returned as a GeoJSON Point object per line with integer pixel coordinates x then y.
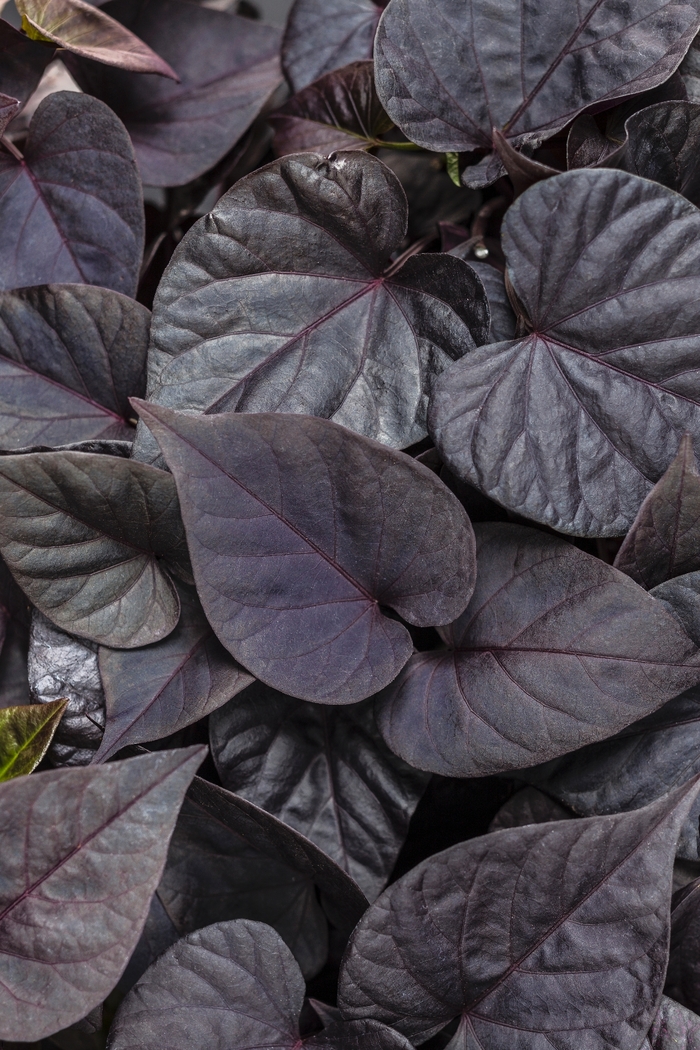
{"type": "Point", "coordinates": [154, 691]}
{"type": "Point", "coordinates": [25, 734]}
{"type": "Point", "coordinates": [555, 648]}
{"type": "Point", "coordinates": [661, 143]}
{"type": "Point", "coordinates": [283, 299]}
{"type": "Point", "coordinates": [323, 35]}
{"type": "Point", "coordinates": [94, 840]}
{"type": "Point", "coordinates": [572, 424]}
{"type": "Point", "coordinates": [71, 209]}
{"type": "Point", "coordinates": [552, 934]}
{"type": "Point", "coordinates": [324, 771]}
{"type": "Point", "coordinates": [683, 976]}
{"type": "Point", "coordinates": [70, 358]}
{"type": "Point", "coordinates": [84, 536]}
{"type": "Point", "coordinates": [674, 1028]}
{"type": "Point", "coordinates": [445, 68]}
{"type": "Point", "coordinates": [503, 320]}
{"type": "Point", "coordinates": [230, 986]}
{"type": "Point", "coordinates": [228, 68]}
{"type": "Point", "coordinates": [682, 595]}
{"type": "Point", "coordinates": [322, 528]}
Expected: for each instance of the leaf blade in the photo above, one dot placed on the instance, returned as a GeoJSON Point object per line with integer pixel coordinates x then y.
{"type": "Point", "coordinates": [25, 735]}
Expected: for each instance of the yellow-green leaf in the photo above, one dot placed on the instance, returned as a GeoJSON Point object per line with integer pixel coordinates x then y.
{"type": "Point", "coordinates": [25, 734]}
{"type": "Point", "coordinates": [452, 165]}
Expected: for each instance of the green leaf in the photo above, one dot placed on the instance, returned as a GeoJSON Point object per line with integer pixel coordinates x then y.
{"type": "Point", "coordinates": [25, 734]}
{"type": "Point", "coordinates": [452, 165]}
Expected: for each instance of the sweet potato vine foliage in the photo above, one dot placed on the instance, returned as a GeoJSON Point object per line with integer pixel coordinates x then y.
{"type": "Point", "coordinates": [350, 525]}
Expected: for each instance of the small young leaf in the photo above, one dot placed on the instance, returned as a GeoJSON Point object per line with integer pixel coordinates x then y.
{"type": "Point", "coordinates": [95, 840]}
{"type": "Point", "coordinates": [323, 35]}
{"type": "Point", "coordinates": [452, 166]}
{"type": "Point", "coordinates": [25, 734]}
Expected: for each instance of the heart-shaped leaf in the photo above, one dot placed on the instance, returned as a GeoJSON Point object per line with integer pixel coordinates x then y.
{"type": "Point", "coordinates": [83, 536]}
{"type": "Point", "coordinates": [674, 1028]}
{"type": "Point", "coordinates": [555, 648]}
{"type": "Point", "coordinates": [340, 110]}
{"type": "Point", "coordinates": [683, 976]}
{"type": "Point", "coordinates": [71, 207]}
{"type": "Point", "coordinates": [548, 934]}
{"type": "Point", "coordinates": [315, 542]}
{"type": "Point", "coordinates": [153, 692]}
{"type": "Point", "coordinates": [329, 329]}
{"type": "Point", "coordinates": [70, 358]}
{"type": "Point", "coordinates": [228, 68]}
{"type": "Point", "coordinates": [323, 35]}
{"type": "Point", "coordinates": [94, 839]}
{"type": "Point", "coordinates": [231, 986]}
{"type": "Point", "coordinates": [445, 69]}
{"type": "Point", "coordinates": [25, 734]}
{"type": "Point", "coordinates": [634, 768]}
{"type": "Point", "coordinates": [664, 540]}
{"type": "Point", "coordinates": [22, 62]}
{"type": "Point", "coordinates": [548, 425]}
{"type": "Point", "coordinates": [324, 771]}
{"type": "Point", "coordinates": [85, 30]}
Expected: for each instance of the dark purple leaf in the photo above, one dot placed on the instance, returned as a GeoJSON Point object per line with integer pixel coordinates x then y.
{"type": "Point", "coordinates": [432, 195]}
{"type": "Point", "coordinates": [84, 536]}
{"type": "Point", "coordinates": [284, 299]}
{"type": "Point", "coordinates": [552, 934]}
{"type": "Point", "coordinates": [445, 69]}
{"type": "Point", "coordinates": [85, 1034]}
{"type": "Point", "coordinates": [634, 768]}
{"type": "Point", "coordinates": [231, 986]}
{"type": "Point", "coordinates": [229, 859]}
{"type": "Point", "coordinates": [155, 691]}
{"type": "Point", "coordinates": [14, 682]}
{"type": "Point", "coordinates": [70, 358]}
{"type": "Point", "coordinates": [674, 1028]}
{"type": "Point", "coordinates": [572, 424]}
{"type": "Point", "coordinates": [228, 68]}
{"type": "Point", "coordinates": [9, 108]}
{"type": "Point", "coordinates": [83, 850]}
{"type": "Point", "coordinates": [682, 596]}
{"type": "Point", "coordinates": [528, 806]}
{"type": "Point", "coordinates": [85, 30]}
{"type": "Point", "coordinates": [323, 35]}
{"type": "Point", "coordinates": [555, 649]}
{"type": "Point", "coordinates": [340, 110]}
{"type": "Point", "coordinates": [324, 771]}
{"type": "Point", "coordinates": [503, 320]}
{"type": "Point", "coordinates": [71, 208]}
{"type": "Point", "coordinates": [683, 976]}
{"type": "Point", "coordinates": [297, 530]}
{"type": "Point", "coordinates": [664, 540]}
{"type": "Point", "coordinates": [662, 143]}
{"type": "Point", "coordinates": [22, 62]}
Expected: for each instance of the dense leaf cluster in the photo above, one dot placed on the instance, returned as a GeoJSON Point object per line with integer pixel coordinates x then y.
{"type": "Point", "coordinates": [350, 525]}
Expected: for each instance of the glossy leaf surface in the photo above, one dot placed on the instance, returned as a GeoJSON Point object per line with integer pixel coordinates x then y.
{"type": "Point", "coordinates": [445, 69]}
{"type": "Point", "coordinates": [574, 423]}
{"type": "Point", "coordinates": [661, 143]}
{"type": "Point", "coordinates": [503, 320]}
{"type": "Point", "coordinates": [155, 691]}
{"type": "Point", "coordinates": [324, 771]}
{"type": "Point", "coordinates": [323, 35]}
{"type": "Point", "coordinates": [315, 542]}
{"type": "Point", "coordinates": [69, 534]}
{"type": "Point", "coordinates": [228, 69]}
{"type": "Point", "coordinates": [86, 30]}
{"type": "Point", "coordinates": [554, 648]}
{"type": "Point", "coordinates": [664, 540]}
{"type": "Point", "coordinates": [70, 358]}
{"type": "Point", "coordinates": [340, 110]}
{"type": "Point", "coordinates": [71, 210]}
{"type": "Point", "coordinates": [283, 299]}
{"type": "Point", "coordinates": [552, 933]}
{"type": "Point", "coordinates": [94, 839]}
{"type": "Point", "coordinates": [230, 986]}
{"type": "Point", "coordinates": [25, 734]}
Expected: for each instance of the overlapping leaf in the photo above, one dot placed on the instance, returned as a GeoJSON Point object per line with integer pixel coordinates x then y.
{"type": "Point", "coordinates": [682, 595]}
{"type": "Point", "coordinates": [573, 424]}
{"type": "Point", "coordinates": [445, 69]}
{"type": "Point", "coordinates": [14, 683]}
{"type": "Point", "coordinates": [228, 69]}
{"type": "Point", "coordinates": [324, 771]}
{"type": "Point", "coordinates": [25, 734]}
{"type": "Point", "coordinates": [155, 691]}
{"type": "Point", "coordinates": [283, 299]}
{"type": "Point", "coordinates": [323, 35]}
{"type": "Point", "coordinates": [71, 208]}
{"type": "Point", "coordinates": [83, 536]}
{"type": "Point", "coordinates": [230, 986]}
{"type": "Point", "coordinates": [340, 110]}
{"type": "Point", "coordinates": [94, 840]}
{"type": "Point", "coordinates": [528, 806]}
{"type": "Point", "coordinates": [70, 358]}
{"type": "Point", "coordinates": [683, 977]}
{"type": "Point", "coordinates": [503, 320]}
{"type": "Point", "coordinates": [22, 61]}
{"type": "Point", "coordinates": [552, 933]}
{"type": "Point", "coordinates": [322, 528]}
{"type": "Point", "coordinates": [674, 1028]}
{"type": "Point", "coordinates": [661, 143]}
{"type": "Point", "coordinates": [85, 30]}
{"type": "Point", "coordinates": [555, 648]}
